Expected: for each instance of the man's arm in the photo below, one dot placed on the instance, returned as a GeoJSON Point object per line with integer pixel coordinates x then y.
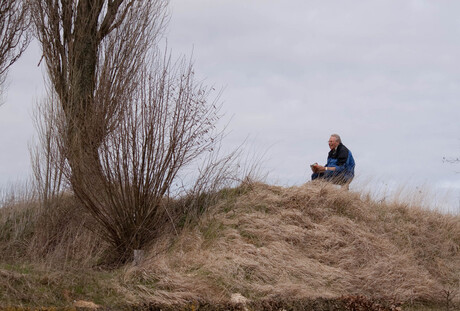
{"type": "Point", "coordinates": [337, 165]}
{"type": "Point", "coordinates": [320, 168]}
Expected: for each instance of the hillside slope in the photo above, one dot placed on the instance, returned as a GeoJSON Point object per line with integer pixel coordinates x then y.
{"type": "Point", "coordinates": [311, 241]}
{"type": "Point", "coordinates": [258, 242]}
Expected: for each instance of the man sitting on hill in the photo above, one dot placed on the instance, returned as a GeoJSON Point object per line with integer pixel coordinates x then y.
{"type": "Point", "coordinates": [340, 166]}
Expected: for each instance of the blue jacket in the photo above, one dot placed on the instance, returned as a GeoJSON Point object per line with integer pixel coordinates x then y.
{"type": "Point", "coordinates": [342, 159]}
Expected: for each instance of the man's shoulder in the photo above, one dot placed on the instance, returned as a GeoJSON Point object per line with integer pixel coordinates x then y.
{"type": "Point", "coordinates": [342, 147]}
{"type": "Point", "coordinates": [342, 150]}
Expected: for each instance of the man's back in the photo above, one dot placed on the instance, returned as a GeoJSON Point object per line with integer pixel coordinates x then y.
{"type": "Point", "coordinates": [342, 159]}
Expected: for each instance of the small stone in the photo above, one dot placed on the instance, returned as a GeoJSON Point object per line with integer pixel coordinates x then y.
{"type": "Point", "coordinates": [85, 304]}
{"type": "Point", "coordinates": [237, 298]}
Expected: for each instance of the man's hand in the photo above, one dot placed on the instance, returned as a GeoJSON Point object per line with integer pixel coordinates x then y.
{"type": "Point", "coordinates": [316, 168]}
{"type": "Point", "coordinates": [313, 167]}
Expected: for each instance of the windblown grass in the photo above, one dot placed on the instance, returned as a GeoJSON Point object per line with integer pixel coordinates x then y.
{"type": "Point", "coordinates": [262, 242]}
{"type": "Point", "coordinates": [58, 236]}
{"type": "Point", "coordinates": [309, 241]}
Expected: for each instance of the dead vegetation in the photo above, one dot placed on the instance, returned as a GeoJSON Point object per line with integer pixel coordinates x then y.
{"type": "Point", "coordinates": [267, 245]}
{"type": "Point", "coordinates": [122, 120]}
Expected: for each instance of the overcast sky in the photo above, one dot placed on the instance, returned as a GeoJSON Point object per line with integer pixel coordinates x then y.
{"type": "Point", "coordinates": [385, 75]}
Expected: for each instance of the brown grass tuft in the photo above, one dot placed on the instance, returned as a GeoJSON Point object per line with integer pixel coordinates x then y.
{"type": "Point", "coordinates": [57, 236]}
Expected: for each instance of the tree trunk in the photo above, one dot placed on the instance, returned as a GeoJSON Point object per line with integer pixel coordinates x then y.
{"type": "Point", "coordinates": [84, 132]}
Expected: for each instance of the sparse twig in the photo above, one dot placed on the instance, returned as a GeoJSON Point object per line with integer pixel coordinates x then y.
{"type": "Point", "coordinates": [14, 38]}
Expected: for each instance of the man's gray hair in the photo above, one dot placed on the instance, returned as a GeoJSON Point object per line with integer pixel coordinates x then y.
{"type": "Point", "coordinates": [337, 137]}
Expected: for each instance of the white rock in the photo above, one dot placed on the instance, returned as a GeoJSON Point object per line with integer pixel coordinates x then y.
{"type": "Point", "coordinates": [237, 298]}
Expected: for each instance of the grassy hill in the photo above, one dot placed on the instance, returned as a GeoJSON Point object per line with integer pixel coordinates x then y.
{"type": "Point", "coordinates": [257, 247]}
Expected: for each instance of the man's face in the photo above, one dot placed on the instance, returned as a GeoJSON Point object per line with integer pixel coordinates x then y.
{"type": "Point", "coordinates": [333, 143]}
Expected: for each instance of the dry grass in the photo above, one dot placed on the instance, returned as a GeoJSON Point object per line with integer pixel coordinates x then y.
{"type": "Point", "coordinates": [49, 257]}
{"type": "Point", "coordinates": [263, 242]}
{"type": "Point", "coordinates": [57, 236]}
{"type": "Point", "coordinates": [309, 241]}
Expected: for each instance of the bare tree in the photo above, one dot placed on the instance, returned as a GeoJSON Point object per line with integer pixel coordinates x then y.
{"type": "Point", "coordinates": [450, 160]}
{"type": "Point", "coordinates": [93, 50]}
{"type": "Point", "coordinates": [128, 120]}
{"type": "Point", "coordinates": [48, 163]}
{"type": "Point", "coordinates": [168, 124]}
{"type": "Point", "coordinates": [13, 34]}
